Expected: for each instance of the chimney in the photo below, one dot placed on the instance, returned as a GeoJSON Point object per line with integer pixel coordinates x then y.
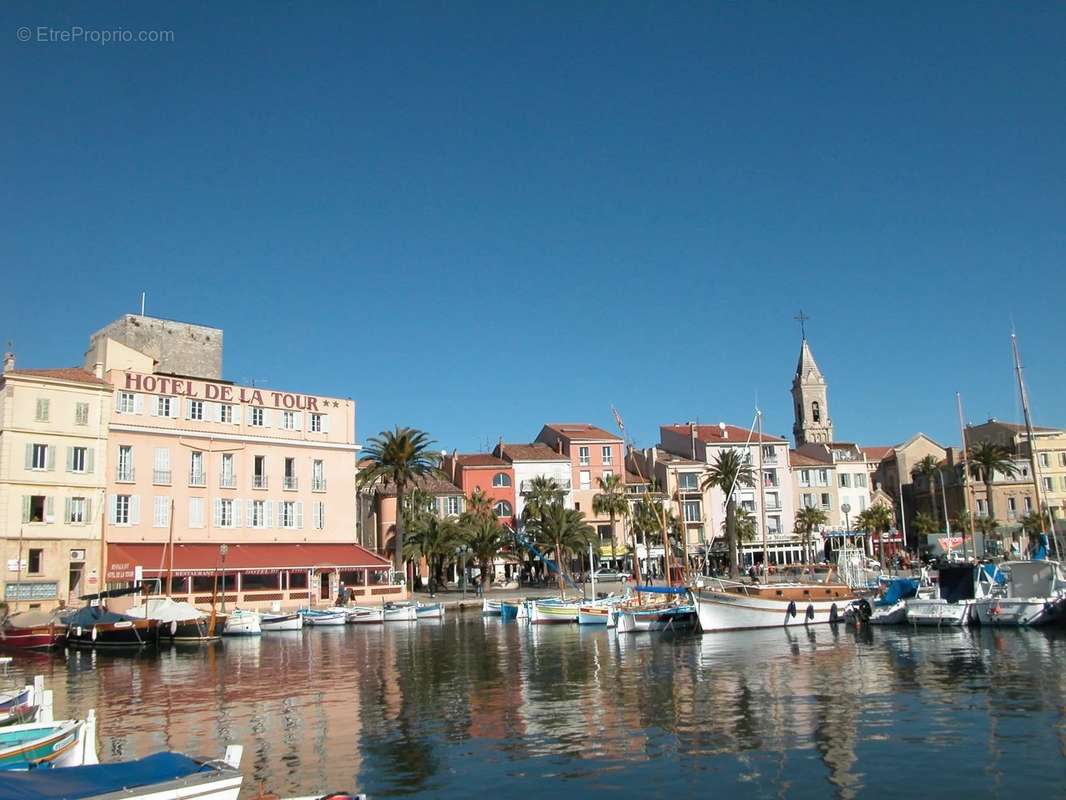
{"type": "Point", "coordinates": [455, 454]}
{"type": "Point", "coordinates": [9, 362]}
{"type": "Point", "coordinates": [724, 430]}
{"type": "Point", "coordinates": [98, 369]}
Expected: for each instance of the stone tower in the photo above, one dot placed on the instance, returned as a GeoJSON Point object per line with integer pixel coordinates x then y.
{"type": "Point", "coordinates": [810, 395]}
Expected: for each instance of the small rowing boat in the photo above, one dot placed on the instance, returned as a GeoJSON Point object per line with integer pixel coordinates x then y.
{"type": "Point", "coordinates": [67, 743]}
{"type": "Point", "coordinates": [281, 622]}
{"type": "Point", "coordinates": [243, 622]}
{"type": "Point", "coordinates": [32, 630]}
{"type": "Point", "coordinates": [319, 618]}
{"type": "Point", "coordinates": [543, 612]}
{"type": "Point", "coordinates": [491, 608]}
{"type": "Point", "coordinates": [430, 610]}
{"type": "Point", "coordinates": [366, 615]}
{"type": "Point", "coordinates": [399, 612]}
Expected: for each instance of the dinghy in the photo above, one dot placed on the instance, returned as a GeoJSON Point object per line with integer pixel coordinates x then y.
{"type": "Point", "coordinates": [163, 776]}
{"type": "Point", "coordinates": [430, 610]}
{"type": "Point", "coordinates": [281, 622]}
{"type": "Point", "coordinates": [243, 622]}
{"type": "Point", "coordinates": [67, 743]}
{"type": "Point", "coordinates": [395, 612]}
{"type": "Point", "coordinates": [323, 618]}
{"type": "Point", "coordinates": [491, 608]}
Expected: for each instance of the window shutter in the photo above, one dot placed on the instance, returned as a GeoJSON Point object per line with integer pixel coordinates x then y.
{"type": "Point", "coordinates": [70, 459]}
{"type": "Point", "coordinates": [269, 514]}
{"type": "Point", "coordinates": [213, 412]}
{"type": "Point", "coordinates": [298, 421]}
{"type": "Point", "coordinates": [218, 512]}
{"type": "Point", "coordinates": [325, 423]}
{"type": "Point", "coordinates": [88, 510]}
{"type": "Point", "coordinates": [138, 404]}
{"type": "Point", "coordinates": [236, 513]}
{"type": "Point", "coordinates": [175, 407]}
{"type": "Point", "coordinates": [154, 410]}
{"type": "Point", "coordinates": [135, 509]}
{"type": "Point", "coordinates": [266, 418]}
{"type": "Point", "coordinates": [112, 508]}
{"type": "Point", "coordinates": [236, 414]}
{"type": "Point", "coordinates": [89, 460]}
{"type": "Point", "coordinates": [116, 402]}
{"type": "Point", "coordinates": [66, 510]}
{"type": "Point", "coordinates": [249, 512]}
{"type": "Point", "coordinates": [29, 457]}
{"type": "Point", "coordinates": [51, 456]}
{"type": "Point", "coordinates": [299, 507]}
{"type": "Point", "coordinates": [26, 508]}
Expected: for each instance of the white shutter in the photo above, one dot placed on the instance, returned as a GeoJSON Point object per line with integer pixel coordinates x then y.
{"type": "Point", "coordinates": [249, 512]}
{"type": "Point", "coordinates": [50, 453]}
{"type": "Point", "coordinates": [29, 456]}
{"type": "Point", "coordinates": [267, 422]}
{"type": "Point", "coordinates": [236, 414]}
{"type": "Point", "coordinates": [196, 512]}
{"type": "Point", "coordinates": [138, 403]}
{"type": "Point", "coordinates": [70, 459]}
{"type": "Point", "coordinates": [218, 513]}
{"type": "Point", "coordinates": [236, 506]}
{"type": "Point", "coordinates": [89, 468]}
{"type": "Point", "coordinates": [325, 423]}
{"type": "Point", "coordinates": [117, 401]}
{"type": "Point", "coordinates": [299, 507]}
{"type": "Point", "coordinates": [214, 411]}
{"type": "Point", "coordinates": [298, 421]}
{"type": "Point", "coordinates": [50, 509]}
{"type": "Point", "coordinates": [268, 507]}
{"type": "Point", "coordinates": [66, 510]}
{"type": "Point", "coordinates": [175, 407]}
{"type": "Point", "coordinates": [162, 459]}
{"type": "Point", "coordinates": [135, 509]}
{"type": "Point", "coordinates": [154, 410]}
{"type": "Point", "coordinates": [112, 508]}
{"type": "Point", "coordinates": [157, 512]}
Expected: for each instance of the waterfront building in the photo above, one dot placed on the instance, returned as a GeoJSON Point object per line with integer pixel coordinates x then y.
{"type": "Point", "coordinates": [535, 460]}
{"type": "Point", "coordinates": [679, 483]}
{"type": "Point", "coordinates": [893, 475]}
{"type": "Point", "coordinates": [704, 443]}
{"type": "Point", "coordinates": [209, 478]}
{"type": "Point", "coordinates": [594, 454]}
{"type": "Point", "coordinates": [53, 435]}
{"type": "Point", "coordinates": [490, 474]}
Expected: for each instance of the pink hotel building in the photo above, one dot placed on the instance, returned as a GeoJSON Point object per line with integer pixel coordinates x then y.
{"type": "Point", "coordinates": [209, 481]}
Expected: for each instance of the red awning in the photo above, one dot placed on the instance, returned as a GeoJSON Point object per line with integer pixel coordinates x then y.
{"type": "Point", "coordinates": [203, 559]}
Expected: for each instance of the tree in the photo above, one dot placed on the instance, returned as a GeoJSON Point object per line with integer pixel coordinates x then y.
{"type": "Point", "coordinates": [563, 531]}
{"type": "Point", "coordinates": [433, 539]}
{"type": "Point", "coordinates": [961, 522]}
{"type": "Point", "coordinates": [418, 505]}
{"type": "Point", "coordinates": [543, 492]}
{"type": "Point", "coordinates": [925, 523]}
{"type": "Point", "coordinates": [611, 500]}
{"type": "Point", "coordinates": [986, 459]}
{"type": "Point", "coordinates": [1033, 524]}
{"type": "Point", "coordinates": [401, 457]}
{"type": "Point", "coordinates": [479, 505]}
{"type": "Point", "coordinates": [807, 520]}
{"type": "Point", "coordinates": [878, 519]}
{"type": "Point", "coordinates": [728, 472]}
{"type": "Point", "coordinates": [929, 468]}
{"type": "Point", "coordinates": [485, 537]}
{"type": "Point", "coordinates": [747, 527]}
{"type": "Point", "coordinates": [987, 526]}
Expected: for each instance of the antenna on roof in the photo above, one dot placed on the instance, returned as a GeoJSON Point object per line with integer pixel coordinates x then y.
{"type": "Point", "coordinates": [143, 295]}
{"type": "Point", "coordinates": [253, 382]}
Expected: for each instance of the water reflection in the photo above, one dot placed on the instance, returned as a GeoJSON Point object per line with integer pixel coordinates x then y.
{"type": "Point", "coordinates": [448, 709]}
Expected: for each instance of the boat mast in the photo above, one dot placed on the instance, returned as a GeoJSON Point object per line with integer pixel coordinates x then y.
{"type": "Point", "coordinates": [18, 578]}
{"type": "Point", "coordinates": [967, 487]}
{"type": "Point", "coordinates": [170, 544]}
{"type": "Point", "coordinates": [1033, 461]}
{"type": "Point", "coordinates": [762, 498]}
{"type": "Point", "coordinates": [684, 528]}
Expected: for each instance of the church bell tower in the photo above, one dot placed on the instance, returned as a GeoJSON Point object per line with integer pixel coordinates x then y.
{"type": "Point", "coordinates": [811, 399]}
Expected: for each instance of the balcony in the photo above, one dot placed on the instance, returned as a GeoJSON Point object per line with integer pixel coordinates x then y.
{"type": "Point", "coordinates": [290, 483]}
{"type": "Point", "coordinates": [227, 481]}
{"type": "Point", "coordinates": [773, 505]}
{"type": "Point", "coordinates": [124, 474]}
{"type": "Point", "coordinates": [197, 478]}
{"type": "Point", "coordinates": [259, 481]}
{"type": "Point", "coordinates": [318, 484]}
{"type": "Point", "coordinates": [161, 477]}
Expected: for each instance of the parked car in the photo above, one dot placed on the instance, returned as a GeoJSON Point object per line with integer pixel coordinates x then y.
{"type": "Point", "coordinates": [608, 575]}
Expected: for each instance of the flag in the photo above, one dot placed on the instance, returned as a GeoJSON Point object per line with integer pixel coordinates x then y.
{"type": "Point", "coordinates": [618, 419]}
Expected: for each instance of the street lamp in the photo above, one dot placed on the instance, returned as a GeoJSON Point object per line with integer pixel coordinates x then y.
{"type": "Point", "coordinates": [846, 508]}
{"type": "Point", "coordinates": [461, 551]}
{"type": "Point", "coordinates": [222, 550]}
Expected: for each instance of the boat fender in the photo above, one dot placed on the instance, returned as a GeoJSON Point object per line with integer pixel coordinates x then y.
{"type": "Point", "coordinates": [792, 609]}
{"type": "Point", "coordinates": [94, 633]}
{"type": "Point", "coordinates": [833, 614]}
{"type": "Point", "coordinates": [810, 612]}
{"type": "Point", "coordinates": [77, 631]}
{"type": "Point", "coordinates": [865, 609]}
{"type": "Point", "coordinates": [173, 627]}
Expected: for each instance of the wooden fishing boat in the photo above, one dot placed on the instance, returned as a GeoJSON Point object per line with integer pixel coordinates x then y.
{"type": "Point", "coordinates": [95, 626]}
{"type": "Point", "coordinates": [430, 610]}
{"type": "Point", "coordinates": [729, 606]}
{"type": "Point", "coordinates": [543, 612]}
{"type": "Point", "coordinates": [16, 699]}
{"type": "Point", "coordinates": [366, 615]}
{"type": "Point", "coordinates": [680, 617]}
{"type": "Point", "coordinates": [324, 618]}
{"type": "Point", "coordinates": [178, 621]}
{"type": "Point", "coordinates": [397, 612]}
{"type": "Point", "coordinates": [32, 630]}
{"type": "Point", "coordinates": [491, 608]}
{"type": "Point", "coordinates": [281, 622]}
{"type": "Point", "coordinates": [67, 743]}
{"type": "Point", "coordinates": [243, 623]}
{"type": "Point", "coordinates": [593, 615]}
{"type": "Point", "coordinates": [163, 776]}
{"type": "Point", "coordinates": [509, 609]}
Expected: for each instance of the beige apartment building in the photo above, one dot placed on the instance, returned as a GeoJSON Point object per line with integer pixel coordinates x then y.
{"type": "Point", "coordinates": [53, 458]}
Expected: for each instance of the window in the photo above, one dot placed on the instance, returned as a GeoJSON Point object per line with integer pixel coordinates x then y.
{"type": "Point", "coordinates": [317, 425]}
{"type": "Point", "coordinates": [982, 508]}
{"type": "Point", "coordinates": [259, 514]}
{"type": "Point", "coordinates": [39, 459]}
{"type": "Point", "coordinates": [288, 420]}
{"type": "Point", "coordinates": [607, 474]}
{"type": "Point", "coordinates": [845, 480]}
{"type": "Point", "coordinates": [768, 453]}
{"type": "Point", "coordinates": [773, 500]}
{"type": "Point", "coordinates": [225, 412]}
{"type": "Point", "coordinates": [769, 478]}
{"type": "Point", "coordinates": [608, 455]}
{"type": "Point", "coordinates": [78, 459]}
{"type": "Point", "coordinates": [320, 516]}
{"type": "Point", "coordinates": [259, 474]}
{"type": "Point", "coordinates": [1046, 483]}
{"type": "Point", "coordinates": [1062, 459]}
{"type": "Point", "coordinates": [42, 410]}
{"type": "Point", "coordinates": [226, 513]}
{"type": "Point", "coordinates": [227, 478]}
{"type": "Point", "coordinates": [503, 509]}
{"type": "Point", "coordinates": [501, 479]}
{"type": "Point", "coordinates": [1012, 507]}
{"type": "Point", "coordinates": [585, 479]}
{"type": "Point", "coordinates": [805, 477]}
{"type": "Point", "coordinates": [195, 409]}
{"type": "Point", "coordinates": [773, 525]}
{"type": "Point", "coordinates": [747, 505]}
{"type": "Point", "coordinates": [826, 500]}
{"type": "Point", "coordinates": [604, 532]}
{"type": "Point", "coordinates": [289, 480]}
{"type": "Point", "coordinates": [77, 510]}
{"type": "Point", "coordinates": [583, 455]}
{"type": "Point", "coordinates": [1045, 460]}
{"type": "Point", "coordinates": [860, 480]}
{"type": "Point", "coordinates": [161, 512]}
{"type": "Point", "coordinates": [196, 468]}
{"type": "Point", "coordinates": [81, 413]}
{"type": "Point", "coordinates": [36, 561]}
{"type": "Point", "coordinates": [318, 475]}
{"type": "Point", "coordinates": [196, 512]}
{"type": "Point", "coordinates": [124, 468]}
{"type": "Point", "coordinates": [258, 417]}
{"type": "Point", "coordinates": [121, 511]}
{"type": "Point", "coordinates": [34, 510]}
{"type": "Point", "coordinates": [823, 477]}
{"type": "Point", "coordinates": [816, 412]}
{"type": "Point", "coordinates": [161, 471]}
{"type": "Point", "coordinates": [290, 514]}
{"type": "Point", "coordinates": [808, 500]}
{"type": "Point", "coordinates": [688, 481]}
{"type": "Point", "coordinates": [164, 406]}
{"type": "Point", "coordinates": [126, 403]}
{"type": "Point", "coordinates": [693, 512]}
{"type": "Point", "coordinates": [1028, 502]}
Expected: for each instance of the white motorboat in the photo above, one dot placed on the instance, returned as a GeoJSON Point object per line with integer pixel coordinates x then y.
{"type": "Point", "coordinates": [400, 613]}
{"type": "Point", "coordinates": [430, 610]}
{"type": "Point", "coordinates": [324, 618]}
{"type": "Point", "coordinates": [366, 615]}
{"type": "Point", "coordinates": [957, 587]}
{"type": "Point", "coordinates": [731, 606]}
{"type": "Point", "coordinates": [163, 776]}
{"type": "Point", "coordinates": [281, 622]}
{"type": "Point", "coordinates": [243, 623]}
{"type": "Point", "coordinates": [1023, 594]}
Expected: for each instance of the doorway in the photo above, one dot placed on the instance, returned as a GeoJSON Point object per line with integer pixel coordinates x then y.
{"type": "Point", "coordinates": [75, 586]}
{"type": "Point", "coordinates": [323, 579]}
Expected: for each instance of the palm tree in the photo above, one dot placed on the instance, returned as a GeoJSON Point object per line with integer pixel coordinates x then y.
{"type": "Point", "coordinates": [807, 520]}
{"type": "Point", "coordinates": [929, 468]}
{"type": "Point", "coordinates": [925, 523]}
{"type": "Point", "coordinates": [728, 472]}
{"type": "Point", "coordinates": [747, 528]}
{"type": "Point", "coordinates": [433, 539]}
{"type": "Point", "coordinates": [564, 531]}
{"type": "Point", "coordinates": [878, 519]}
{"type": "Point", "coordinates": [1033, 524]}
{"type": "Point", "coordinates": [479, 505]}
{"type": "Point", "coordinates": [485, 537]}
{"type": "Point", "coordinates": [401, 457]}
{"type": "Point", "coordinates": [417, 506]}
{"type": "Point", "coordinates": [987, 526]}
{"type": "Point", "coordinates": [611, 501]}
{"type": "Point", "coordinates": [543, 492]}
{"type": "Point", "coordinates": [986, 459]}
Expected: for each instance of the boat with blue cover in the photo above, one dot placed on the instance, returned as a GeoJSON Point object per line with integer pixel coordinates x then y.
{"type": "Point", "coordinates": [95, 626]}
{"type": "Point", "coordinates": [163, 776]}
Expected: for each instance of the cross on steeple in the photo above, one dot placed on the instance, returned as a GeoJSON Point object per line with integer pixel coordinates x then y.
{"type": "Point", "coordinates": [802, 319]}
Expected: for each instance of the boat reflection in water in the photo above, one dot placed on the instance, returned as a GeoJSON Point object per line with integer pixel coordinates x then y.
{"type": "Point", "coordinates": [473, 705]}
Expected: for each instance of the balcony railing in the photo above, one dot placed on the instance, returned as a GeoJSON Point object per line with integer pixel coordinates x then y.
{"type": "Point", "coordinates": [318, 484]}
{"type": "Point", "coordinates": [197, 478]}
{"type": "Point", "coordinates": [259, 481]}
{"type": "Point", "coordinates": [564, 485]}
{"type": "Point", "coordinates": [161, 477]}
{"type": "Point", "coordinates": [227, 481]}
{"type": "Point", "coordinates": [124, 474]}
{"type": "Point", "coordinates": [773, 505]}
{"type": "Point", "coordinates": [290, 482]}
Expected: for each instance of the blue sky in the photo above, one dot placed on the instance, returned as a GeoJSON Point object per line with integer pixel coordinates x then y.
{"type": "Point", "coordinates": [475, 218]}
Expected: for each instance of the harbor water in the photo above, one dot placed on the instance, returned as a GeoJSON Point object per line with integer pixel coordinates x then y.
{"type": "Point", "coordinates": [473, 706]}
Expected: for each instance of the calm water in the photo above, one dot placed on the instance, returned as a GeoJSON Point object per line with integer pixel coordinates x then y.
{"type": "Point", "coordinates": [466, 706]}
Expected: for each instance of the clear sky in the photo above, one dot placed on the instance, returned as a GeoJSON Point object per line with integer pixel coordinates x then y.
{"type": "Point", "coordinates": [476, 218]}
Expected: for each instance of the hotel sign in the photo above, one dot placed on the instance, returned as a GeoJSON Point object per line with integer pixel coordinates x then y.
{"type": "Point", "coordinates": [220, 392]}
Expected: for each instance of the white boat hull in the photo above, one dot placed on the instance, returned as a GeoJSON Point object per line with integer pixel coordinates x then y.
{"type": "Point", "coordinates": [895, 614]}
{"type": "Point", "coordinates": [244, 623]}
{"type": "Point", "coordinates": [638, 621]}
{"type": "Point", "coordinates": [401, 614]}
{"type": "Point", "coordinates": [938, 613]}
{"type": "Point", "coordinates": [721, 611]}
{"type": "Point", "coordinates": [490, 607]}
{"type": "Point", "coordinates": [366, 616]}
{"type": "Point", "coordinates": [282, 622]}
{"type": "Point", "coordinates": [431, 611]}
{"type": "Point", "coordinates": [1019, 612]}
{"type": "Point", "coordinates": [326, 619]}
{"type": "Point", "coordinates": [548, 613]}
